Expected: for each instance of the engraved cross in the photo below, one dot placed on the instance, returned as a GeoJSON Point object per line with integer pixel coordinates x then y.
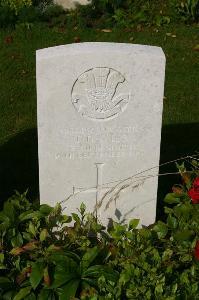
{"type": "Point", "coordinates": [98, 188]}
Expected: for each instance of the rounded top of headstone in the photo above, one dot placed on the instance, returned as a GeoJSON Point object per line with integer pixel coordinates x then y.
{"type": "Point", "coordinates": [79, 48]}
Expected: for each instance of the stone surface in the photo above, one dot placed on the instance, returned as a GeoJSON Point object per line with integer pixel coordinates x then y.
{"type": "Point", "coordinates": [68, 4]}
{"type": "Point", "coordinates": [99, 127]}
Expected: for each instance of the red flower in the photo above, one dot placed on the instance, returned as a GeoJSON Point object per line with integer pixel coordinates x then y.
{"type": "Point", "coordinates": [196, 250]}
{"type": "Point", "coordinates": [194, 191]}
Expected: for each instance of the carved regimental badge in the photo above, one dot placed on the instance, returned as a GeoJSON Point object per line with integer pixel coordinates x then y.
{"type": "Point", "coordinates": [96, 94]}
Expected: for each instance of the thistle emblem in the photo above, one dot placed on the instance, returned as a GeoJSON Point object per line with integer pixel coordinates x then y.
{"type": "Point", "coordinates": [94, 94]}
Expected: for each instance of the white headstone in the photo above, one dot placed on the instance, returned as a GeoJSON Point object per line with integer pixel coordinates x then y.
{"type": "Point", "coordinates": [99, 124]}
{"type": "Point", "coordinates": [70, 4]}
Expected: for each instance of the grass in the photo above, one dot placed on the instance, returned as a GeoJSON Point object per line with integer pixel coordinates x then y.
{"type": "Point", "coordinates": [18, 90]}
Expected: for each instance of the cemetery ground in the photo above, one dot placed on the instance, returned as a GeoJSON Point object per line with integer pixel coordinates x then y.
{"type": "Point", "coordinates": [18, 136]}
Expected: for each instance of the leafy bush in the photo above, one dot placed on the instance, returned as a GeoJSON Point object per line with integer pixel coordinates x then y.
{"type": "Point", "coordinates": [44, 11]}
{"type": "Point", "coordinates": [52, 11]}
{"type": "Point", "coordinates": [188, 10]}
{"type": "Point", "coordinates": [43, 257]}
{"type": "Point", "coordinates": [16, 5]}
{"type": "Point", "coordinates": [29, 15]}
{"type": "Point", "coordinates": [42, 2]}
{"type": "Point", "coordinates": [100, 13]}
{"type": "Point", "coordinates": [7, 16]}
{"type": "Point", "coordinates": [125, 13]}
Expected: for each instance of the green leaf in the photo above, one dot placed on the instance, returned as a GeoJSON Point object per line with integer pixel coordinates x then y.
{"type": "Point", "coordinates": [183, 210]}
{"type": "Point", "coordinates": [69, 290]}
{"type": "Point", "coordinates": [45, 209]}
{"type": "Point", "coordinates": [183, 235]}
{"type": "Point", "coordinates": [186, 258]}
{"type": "Point", "coordinates": [76, 217]}
{"type": "Point", "coordinates": [17, 241]}
{"type": "Point", "coordinates": [4, 222]}
{"type": "Point", "coordinates": [30, 297]}
{"type": "Point", "coordinates": [193, 270]}
{"type": "Point", "coordinates": [23, 293]}
{"type": "Point", "coordinates": [1, 258]}
{"type": "Point", "coordinates": [29, 215]}
{"type": "Point", "coordinates": [118, 228]}
{"type": "Point", "coordinates": [172, 198]}
{"type": "Point", "coordinates": [184, 279]}
{"type": "Point", "coordinates": [89, 257]}
{"type": "Point", "coordinates": [64, 272]}
{"type": "Point", "coordinates": [32, 229]}
{"type": "Point", "coordinates": [37, 273]}
{"type": "Point", "coordinates": [172, 222]}
{"type": "Point", "coordinates": [98, 271]}
{"type": "Point", "coordinates": [159, 289]}
{"type": "Point", "coordinates": [57, 210]}
{"type": "Point", "coordinates": [145, 233]}
{"type": "Point", "coordinates": [66, 219]}
{"type": "Point", "coordinates": [167, 254]}
{"type": "Point", "coordinates": [194, 287]}
{"type": "Point", "coordinates": [43, 235]}
{"type": "Point", "coordinates": [168, 210]}
{"type": "Point", "coordinates": [82, 208]}
{"type": "Point", "coordinates": [161, 229]}
{"type": "Point", "coordinates": [133, 223]}
{"type": "Point", "coordinates": [9, 211]}
{"type": "Point", "coordinates": [27, 236]}
{"type": "Point", "coordinates": [62, 257]}
{"type": "Point", "coordinates": [181, 167]}
{"type": "Point", "coordinates": [174, 289]}
{"type": "Point", "coordinates": [5, 283]}
{"type": "Point", "coordinates": [44, 295]}
{"type": "Point", "coordinates": [9, 295]}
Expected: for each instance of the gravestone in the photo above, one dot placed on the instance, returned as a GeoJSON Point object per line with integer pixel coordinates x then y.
{"type": "Point", "coordinates": [71, 4]}
{"type": "Point", "coordinates": [99, 128]}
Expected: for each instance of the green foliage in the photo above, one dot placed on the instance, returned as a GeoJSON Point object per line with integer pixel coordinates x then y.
{"type": "Point", "coordinates": [24, 12]}
{"type": "Point", "coordinates": [16, 5]}
{"type": "Point", "coordinates": [7, 16]}
{"type": "Point", "coordinates": [188, 10]}
{"type": "Point", "coordinates": [43, 256]}
{"type": "Point", "coordinates": [126, 13]}
{"type": "Point", "coordinates": [102, 13]}
{"type": "Point", "coordinates": [42, 2]}
{"type": "Point", "coordinates": [29, 15]}
{"type": "Point", "coordinates": [52, 11]}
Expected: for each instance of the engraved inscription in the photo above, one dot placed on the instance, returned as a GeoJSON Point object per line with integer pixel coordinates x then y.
{"type": "Point", "coordinates": [87, 142]}
{"type": "Point", "coordinates": [95, 94]}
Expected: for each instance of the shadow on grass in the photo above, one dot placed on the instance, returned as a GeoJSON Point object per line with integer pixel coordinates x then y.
{"type": "Point", "coordinates": [19, 161]}
{"type": "Point", "coordinates": [19, 165]}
